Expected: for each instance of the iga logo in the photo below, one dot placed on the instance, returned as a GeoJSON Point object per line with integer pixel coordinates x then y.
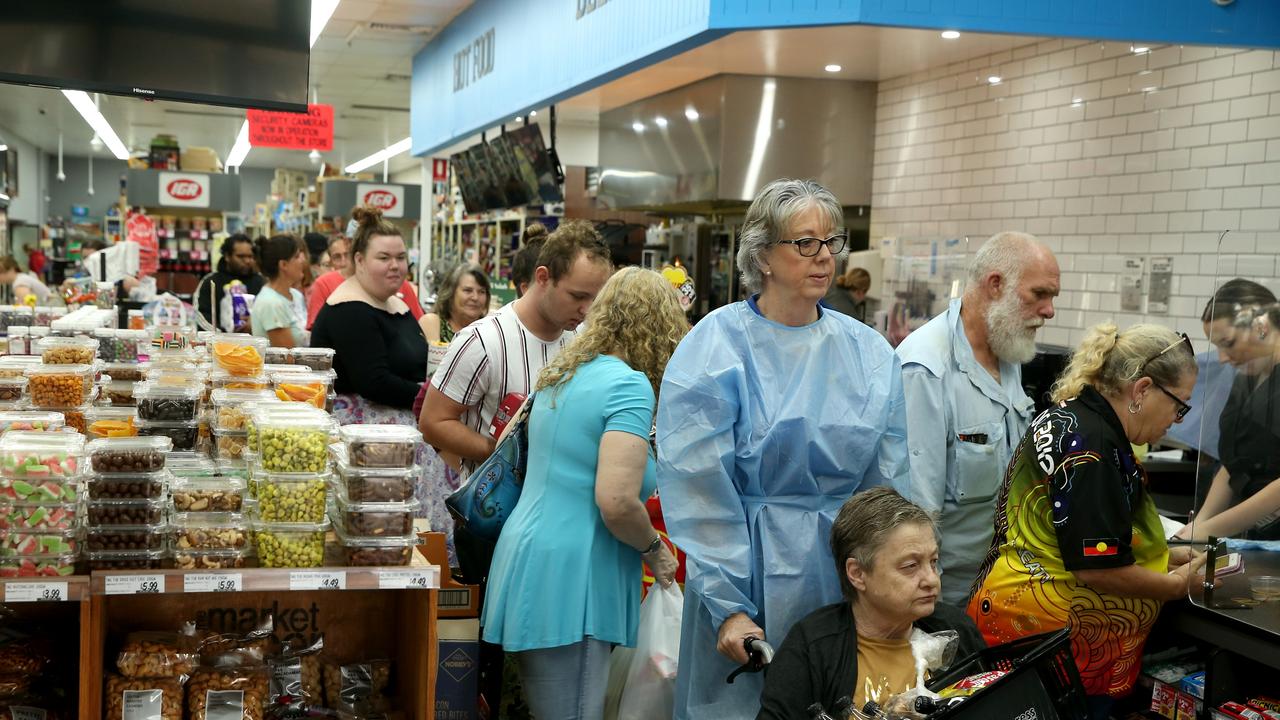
{"type": "Point", "coordinates": [381, 199]}
{"type": "Point", "coordinates": [184, 189]}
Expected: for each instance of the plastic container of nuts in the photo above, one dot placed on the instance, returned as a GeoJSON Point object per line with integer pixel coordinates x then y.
{"type": "Point", "coordinates": [40, 456]}
{"type": "Point", "coordinates": [127, 559]}
{"type": "Point", "coordinates": [15, 365]}
{"type": "Point", "coordinates": [185, 436]}
{"type": "Point", "coordinates": [129, 455]}
{"type": "Point", "coordinates": [76, 418]}
{"type": "Point", "coordinates": [210, 531]}
{"type": "Point", "coordinates": [126, 371]}
{"type": "Point", "coordinates": [118, 393]}
{"type": "Point", "coordinates": [113, 538]}
{"type": "Point", "coordinates": [168, 403]}
{"type": "Point", "coordinates": [141, 486]}
{"type": "Point", "coordinates": [59, 386]}
{"type": "Point", "coordinates": [13, 390]}
{"type": "Point", "coordinates": [68, 350]}
{"type": "Point", "coordinates": [125, 512]}
{"type": "Point", "coordinates": [292, 442]}
{"type": "Point", "coordinates": [17, 515]}
{"type": "Point", "coordinates": [208, 494]}
{"type": "Point", "coordinates": [290, 545]}
{"type": "Point", "coordinates": [382, 551]}
{"type": "Point", "coordinates": [210, 559]}
{"type": "Point", "coordinates": [291, 499]}
{"type": "Point", "coordinates": [314, 358]}
{"type": "Point", "coordinates": [378, 519]}
{"type": "Point", "coordinates": [39, 565]}
{"type": "Point", "coordinates": [31, 420]}
{"type": "Point", "coordinates": [380, 446]}
{"type": "Point", "coordinates": [229, 444]}
{"type": "Point", "coordinates": [375, 484]}
{"type": "Point", "coordinates": [111, 422]}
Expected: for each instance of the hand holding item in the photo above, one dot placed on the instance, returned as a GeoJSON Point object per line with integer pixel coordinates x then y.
{"type": "Point", "coordinates": [663, 564]}
{"type": "Point", "coordinates": [735, 629]}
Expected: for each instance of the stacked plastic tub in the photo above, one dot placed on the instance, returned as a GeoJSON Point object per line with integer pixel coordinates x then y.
{"type": "Point", "coordinates": [128, 507]}
{"type": "Point", "coordinates": [373, 503]}
{"type": "Point", "coordinates": [289, 470]}
{"type": "Point", "coordinates": [65, 380]}
{"type": "Point", "coordinates": [40, 508]}
{"type": "Point", "coordinates": [211, 527]}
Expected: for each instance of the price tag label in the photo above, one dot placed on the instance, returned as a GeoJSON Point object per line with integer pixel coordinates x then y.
{"type": "Point", "coordinates": [213, 582]}
{"type": "Point", "coordinates": [318, 580]}
{"type": "Point", "coordinates": [405, 580]}
{"type": "Point", "coordinates": [134, 584]}
{"type": "Point", "coordinates": [35, 592]}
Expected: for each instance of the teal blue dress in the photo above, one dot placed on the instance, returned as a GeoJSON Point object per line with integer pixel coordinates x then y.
{"type": "Point", "coordinates": [558, 574]}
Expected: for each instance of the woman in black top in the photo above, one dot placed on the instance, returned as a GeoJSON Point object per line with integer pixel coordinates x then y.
{"type": "Point", "coordinates": [381, 352]}
{"type": "Point", "coordinates": [1242, 320]}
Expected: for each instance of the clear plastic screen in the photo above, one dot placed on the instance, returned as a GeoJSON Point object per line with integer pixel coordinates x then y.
{"type": "Point", "coordinates": [1238, 390]}
{"type": "Point", "coordinates": [921, 277]}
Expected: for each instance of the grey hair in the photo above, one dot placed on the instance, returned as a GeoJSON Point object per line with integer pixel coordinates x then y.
{"type": "Point", "coordinates": [864, 523]}
{"type": "Point", "coordinates": [1006, 253]}
{"type": "Point", "coordinates": [769, 218]}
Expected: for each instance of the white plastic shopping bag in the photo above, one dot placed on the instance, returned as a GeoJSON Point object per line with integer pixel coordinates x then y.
{"type": "Point", "coordinates": [649, 691]}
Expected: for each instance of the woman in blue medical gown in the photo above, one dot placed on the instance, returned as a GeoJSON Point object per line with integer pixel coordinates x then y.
{"type": "Point", "coordinates": [773, 412]}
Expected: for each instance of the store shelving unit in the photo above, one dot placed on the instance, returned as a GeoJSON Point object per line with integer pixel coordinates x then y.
{"type": "Point", "coordinates": [364, 612]}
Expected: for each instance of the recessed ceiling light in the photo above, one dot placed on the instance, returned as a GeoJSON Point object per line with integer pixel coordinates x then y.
{"type": "Point", "coordinates": [660, 121]}
{"type": "Point", "coordinates": [833, 68]}
{"type": "Point", "coordinates": [1139, 49]}
{"type": "Point", "coordinates": [994, 79]}
{"type": "Point", "coordinates": [637, 126]}
{"type": "Point", "coordinates": [533, 113]}
{"type": "Point", "coordinates": [691, 113]}
{"type": "Point", "coordinates": [950, 34]}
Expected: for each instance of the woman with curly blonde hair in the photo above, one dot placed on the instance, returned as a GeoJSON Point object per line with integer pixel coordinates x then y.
{"type": "Point", "coordinates": [1078, 542]}
{"type": "Point", "coordinates": [590, 470]}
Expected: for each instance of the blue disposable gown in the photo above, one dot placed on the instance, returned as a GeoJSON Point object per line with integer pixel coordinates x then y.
{"type": "Point", "coordinates": [764, 430]}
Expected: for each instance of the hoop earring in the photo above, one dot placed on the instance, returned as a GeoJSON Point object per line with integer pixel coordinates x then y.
{"type": "Point", "coordinates": [1134, 408]}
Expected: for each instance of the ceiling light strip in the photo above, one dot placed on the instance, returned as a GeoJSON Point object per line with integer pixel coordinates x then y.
{"type": "Point", "coordinates": [384, 154]}
{"type": "Point", "coordinates": [83, 104]}
{"type": "Point", "coordinates": [240, 150]}
{"type": "Point", "coordinates": [321, 11]}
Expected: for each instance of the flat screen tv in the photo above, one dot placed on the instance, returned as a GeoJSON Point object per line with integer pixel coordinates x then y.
{"type": "Point", "coordinates": [468, 181]}
{"type": "Point", "coordinates": [505, 156]}
{"type": "Point", "coordinates": [538, 169]}
{"type": "Point", "coordinates": [239, 53]}
{"type": "Point", "coordinates": [485, 162]}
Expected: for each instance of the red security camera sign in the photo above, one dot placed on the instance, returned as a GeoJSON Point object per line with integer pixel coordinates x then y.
{"type": "Point", "coordinates": [312, 130]}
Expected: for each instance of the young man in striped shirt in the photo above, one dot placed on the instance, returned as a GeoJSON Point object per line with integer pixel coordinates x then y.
{"type": "Point", "coordinates": [503, 353]}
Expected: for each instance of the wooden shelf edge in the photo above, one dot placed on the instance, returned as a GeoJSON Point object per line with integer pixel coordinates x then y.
{"type": "Point", "coordinates": [77, 587]}
{"type": "Point", "coordinates": [173, 582]}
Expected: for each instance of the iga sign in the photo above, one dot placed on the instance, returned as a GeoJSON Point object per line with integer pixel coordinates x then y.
{"type": "Point", "coordinates": [312, 130]}
{"type": "Point", "coordinates": [184, 190]}
{"type": "Point", "coordinates": [387, 198]}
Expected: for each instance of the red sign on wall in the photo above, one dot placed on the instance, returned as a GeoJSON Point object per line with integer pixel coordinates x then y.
{"type": "Point", "coordinates": [142, 230]}
{"type": "Point", "coordinates": [439, 169]}
{"type": "Point", "coordinates": [312, 130]}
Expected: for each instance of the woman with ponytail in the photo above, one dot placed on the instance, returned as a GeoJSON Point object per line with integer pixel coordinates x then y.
{"type": "Point", "coordinates": [1078, 542]}
{"type": "Point", "coordinates": [283, 259]}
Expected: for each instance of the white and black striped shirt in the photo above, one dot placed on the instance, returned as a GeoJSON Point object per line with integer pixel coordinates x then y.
{"type": "Point", "coordinates": [489, 359]}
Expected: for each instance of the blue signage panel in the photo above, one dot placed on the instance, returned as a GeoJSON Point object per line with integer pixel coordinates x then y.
{"type": "Point", "coordinates": [499, 58]}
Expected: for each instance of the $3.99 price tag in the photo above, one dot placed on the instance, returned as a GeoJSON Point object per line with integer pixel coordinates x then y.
{"type": "Point", "coordinates": [35, 592]}
{"type": "Point", "coordinates": [213, 582]}
{"type": "Point", "coordinates": [318, 580]}
{"type": "Point", "coordinates": [134, 584]}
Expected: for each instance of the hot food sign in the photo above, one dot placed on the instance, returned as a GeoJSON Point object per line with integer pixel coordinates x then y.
{"type": "Point", "coordinates": [184, 190]}
{"type": "Point", "coordinates": [387, 198]}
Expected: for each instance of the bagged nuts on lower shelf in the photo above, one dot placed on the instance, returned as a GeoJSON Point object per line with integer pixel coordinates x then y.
{"type": "Point", "coordinates": [223, 693]}
{"type": "Point", "coordinates": [159, 698]}
{"type": "Point", "coordinates": [157, 654]}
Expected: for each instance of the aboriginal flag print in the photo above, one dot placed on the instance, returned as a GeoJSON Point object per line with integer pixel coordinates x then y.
{"type": "Point", "coordinates": [1072, 484]}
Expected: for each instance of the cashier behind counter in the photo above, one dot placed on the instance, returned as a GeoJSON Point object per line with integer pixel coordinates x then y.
{"type": "Point", "coordinates": [118, 264]}
{"type": "Point", "coordinates": [886, 554]}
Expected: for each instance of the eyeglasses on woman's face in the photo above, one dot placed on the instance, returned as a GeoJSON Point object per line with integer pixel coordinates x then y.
{"type": "Point", "coordinates": [811, 246]}
{"type": "Point", "coordinates": [1182, 341]}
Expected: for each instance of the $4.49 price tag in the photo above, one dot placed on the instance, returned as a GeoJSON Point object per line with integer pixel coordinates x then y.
{"type": "Point", "coordinates": [405, 580]}
{"type": "Point", "coordinates": [213, 582]}
{"type": "Point", "coordinates": [35, 592]}
{"type": "Point", "coordinates": [134, 584]}
{"type": "Point", "coordinates": [318, 580]}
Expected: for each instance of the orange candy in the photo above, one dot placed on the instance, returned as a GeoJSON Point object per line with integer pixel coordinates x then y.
{"type": "Point", "coordinates": [113, 428]}
{"type": "Point", "coordinates": [312, 393]}
{"type": "Point", "coordinates": [238, 359]}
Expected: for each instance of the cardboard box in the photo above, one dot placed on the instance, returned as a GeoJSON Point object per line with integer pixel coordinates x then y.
{"type": "Point", "coordinates": [1193, 685]}
{"type": "Point", "coordinates": [200, 159]}
{"type": "Point", "coordinates": [457, 678]}
{"type": "Point", "coordinates": [453, 599]}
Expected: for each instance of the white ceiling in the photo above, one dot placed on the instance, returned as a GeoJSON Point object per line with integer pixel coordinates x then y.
{"type": "Point", "coordinates": [357, 66]}
{"type": "Point", "coordinates": [362, 63]}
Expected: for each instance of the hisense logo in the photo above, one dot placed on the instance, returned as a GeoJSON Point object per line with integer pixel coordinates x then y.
{"type": "Point", "coordinates": [144, 92]}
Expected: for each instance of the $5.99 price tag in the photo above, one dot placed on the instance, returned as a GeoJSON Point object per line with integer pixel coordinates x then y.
{"type": "Point", "coordinates": [134, 584]}
{"type": "Point", "coordinates": [213, 582]}
{"type": "Point", "coordinates": [35, 592]}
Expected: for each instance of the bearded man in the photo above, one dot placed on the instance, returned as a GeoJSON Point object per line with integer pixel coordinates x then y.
{"type": "Point", "coordinates": [966, 410]}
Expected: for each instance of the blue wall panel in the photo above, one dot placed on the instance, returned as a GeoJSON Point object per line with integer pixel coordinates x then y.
{"type": "Point", "coordinates": [543, 52]}
{"type": "Point", "coordinates": [1254, 23]}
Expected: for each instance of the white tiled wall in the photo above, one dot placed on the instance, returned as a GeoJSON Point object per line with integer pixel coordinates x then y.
{"type": "Point", "coordinates": [1103, 153]}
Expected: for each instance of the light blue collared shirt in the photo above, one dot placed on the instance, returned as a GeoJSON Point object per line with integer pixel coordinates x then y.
{"type": "Point", "coordinates": [962, 429]}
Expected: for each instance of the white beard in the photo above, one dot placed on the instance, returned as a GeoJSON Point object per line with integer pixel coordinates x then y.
{"type": "Point", "coordinates": [1012, 338]}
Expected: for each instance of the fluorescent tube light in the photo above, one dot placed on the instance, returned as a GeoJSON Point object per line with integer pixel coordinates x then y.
{"type": "Point", "coordinates": [321, 11]}
{"type": "Point", "coordinates": [83, 104]}
{"type": "Point", "coordinates": [240, 150]}
{"type": "Point", "coordinates": [383, 154]}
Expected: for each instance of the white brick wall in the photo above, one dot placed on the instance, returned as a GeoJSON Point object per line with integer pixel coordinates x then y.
{"type": "Point", "coordinates": [1101, 152]}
